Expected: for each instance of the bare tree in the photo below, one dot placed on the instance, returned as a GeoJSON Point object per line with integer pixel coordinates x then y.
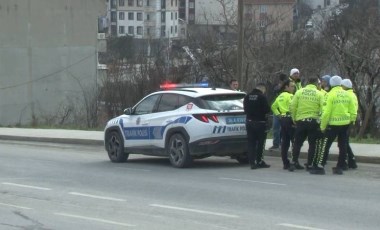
{"type": "Point", "coordinates": [354, 37]}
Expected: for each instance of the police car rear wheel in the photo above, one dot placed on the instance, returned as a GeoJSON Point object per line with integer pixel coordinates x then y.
{"type": "Point", "coordinates": [178, 151]}
{"type": "Point", "coordinates": [115, 147]}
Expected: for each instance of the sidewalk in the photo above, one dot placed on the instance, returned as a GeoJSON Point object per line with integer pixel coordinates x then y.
{"type": "Point", "coordinates": [365, 153]}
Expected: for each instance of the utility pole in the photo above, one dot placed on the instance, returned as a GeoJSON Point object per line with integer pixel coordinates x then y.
{"type": "Point", "coordinates": [239, 75]}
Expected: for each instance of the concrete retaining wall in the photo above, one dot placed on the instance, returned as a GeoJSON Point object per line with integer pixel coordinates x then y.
{"type": "Point", "coordinates": [48, 57]}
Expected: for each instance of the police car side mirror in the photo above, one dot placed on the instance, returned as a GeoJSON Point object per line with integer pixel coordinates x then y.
{"type": "Point", "coordinates": [128, 111]}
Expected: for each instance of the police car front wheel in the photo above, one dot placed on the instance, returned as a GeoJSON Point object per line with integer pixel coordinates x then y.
{"type": "Point", "coordinates": [178, 151]}
{"type": "Point", "coordinates": [115, 147]}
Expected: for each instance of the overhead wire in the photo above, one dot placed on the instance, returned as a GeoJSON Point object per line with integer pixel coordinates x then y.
{"type": "Point", "coordinates": [48, 75]}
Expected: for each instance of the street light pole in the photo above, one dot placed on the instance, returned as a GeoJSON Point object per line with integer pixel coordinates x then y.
{"type": "Point", "coordinates": [239, 68]}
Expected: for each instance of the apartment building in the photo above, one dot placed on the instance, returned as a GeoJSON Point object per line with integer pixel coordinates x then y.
{"type": "Point", "coordinates": [143, 19]}
{"type": "Point", "coordinates": [274, 17]}
{"type": "Point", "coordinates": [320, 4]}
{"type": "Point", "coordinates": [187, 11]}
{"type": "Point", "coordinates": [219, 13]}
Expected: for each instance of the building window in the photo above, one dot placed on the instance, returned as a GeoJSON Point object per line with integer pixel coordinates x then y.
{"type": "Point", "coordinates": [182, 15]}
{"type": "Point", "coordinates": [113, 4]}
{"type": "Point", "coordinates": [172, 3]}
{"type": "Point", "coordinates": [121, 30]}
{"type": "Point", "coordinates": [121, 3]}
{"type": "Point", "coordinates": [171, 30]}
{"type": "Point", "coordinates": [171, 15]}
{"type": "Point", "coordinates": [176, 16]}
{"type": "Point", "coordinates": [130, 30]}
{"type": "Point", "coordinates": [130, 2]}
{"type": "Point", "coordinates": [163, 19]}
{"type": "Point", "coordinates": [163, 28]}
{"type": "Point", "coordinates": [139, 2]}
{"type": "Point", "coordinates": [130, 16]}
{"type": "Point", "coordinates": [261, 23]}
{"type": "Point", "coordinates": [163, 4]}
{"type": "Point", "coordinates": [263, 8]}
{"type": "Point", "coordinates": [113, 30]}
{"type": "Point", "coordinates": [191, 5]}
{"type": "Point", "coordinates": [121, 15]}
{"type": "Point", "coordinates": [113, 17]}
{"type": "Point", "coordinates": [147, 3]}
{"type": "Point", "coordinates": [191, 17]}
{"type": "Point", "coordinates": [139, 16]}
{"type": "Point", "coordinates": [148, 31]}
{"type": "Point", "coordinates": [176, 29]}
{"type": "Point", "coordinates": [148, 17]}
{"type": "Point", "coordinates": [139, 30]}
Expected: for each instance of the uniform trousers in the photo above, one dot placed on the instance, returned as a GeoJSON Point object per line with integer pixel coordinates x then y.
{"type": "Point", "coordinates": [287, 137]}
{"type": "Point", "coordinates": [350, 155]}
{"type": "Point", "coordinates": [331, 133]}
{"type": "Point", "coordinates": [306, 128]}
{"type": "Point", "coordinates": [257, 135]}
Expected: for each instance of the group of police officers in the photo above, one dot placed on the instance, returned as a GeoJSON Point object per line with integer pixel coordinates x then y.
{"type": "Point", "coordinates": [321, 111]}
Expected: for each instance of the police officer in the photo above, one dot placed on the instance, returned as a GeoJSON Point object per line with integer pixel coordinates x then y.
{"type": "Point", "coordinates": [295, 78]}
{"type": "Point", "coordinates": [281, 108]}
{"type": "Point", "coordinates": [305, 110]}
{"type": "Point", "coordinates": [347, 85]}
{"type": "Point", "coordinates": [338, 112]}
{"type": "Point", "coordinates": [256, 108]}
{"type": "Point", "coordinates": [234, 85]}
{"type": "Point", "coordinates": [325, 84]}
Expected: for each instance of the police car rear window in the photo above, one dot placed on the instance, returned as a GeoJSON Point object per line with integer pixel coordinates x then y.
{"type": "Point", "coordinates": [222, 102]}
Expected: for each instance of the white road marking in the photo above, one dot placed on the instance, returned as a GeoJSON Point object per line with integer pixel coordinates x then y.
{"type": "Point", "coordinates": [135, 169]}
{"type": "Point", "coordinates": [94, 219]}
{"type": "Point", "coordinates": [194, 210]}
{"type": "Point", "coordinates": [299, 226]}
{"type": "Point", "coordinates": [26, 186]}
{"type": "Point", "coordinates": [251, 181]}
{"type": "Point", "coordinates": [96, 197]}
{"type": "Point", "coordinates": [15, 206]}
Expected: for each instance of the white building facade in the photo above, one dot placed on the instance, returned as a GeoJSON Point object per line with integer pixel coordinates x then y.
{"type": "Point", "coordinates": [320, 4]}
{"type": "Point", "coordinates": [143, 19]}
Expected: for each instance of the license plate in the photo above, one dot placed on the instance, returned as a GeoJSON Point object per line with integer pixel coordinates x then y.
{"type": "Point", "coordinates": [235, 120]}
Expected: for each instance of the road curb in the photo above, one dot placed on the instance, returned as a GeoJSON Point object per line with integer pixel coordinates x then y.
{"type": "Point", "coordinates": [54, 140]}
{"type": "Point", "coordinates": [332, 157]}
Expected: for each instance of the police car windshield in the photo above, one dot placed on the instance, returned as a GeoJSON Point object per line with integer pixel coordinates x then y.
{"type": "Point", "coordinates": [222, 102]}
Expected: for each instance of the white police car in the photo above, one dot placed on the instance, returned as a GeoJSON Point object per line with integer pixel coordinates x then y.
{"type": "Point", "coordinates": [182, 124]}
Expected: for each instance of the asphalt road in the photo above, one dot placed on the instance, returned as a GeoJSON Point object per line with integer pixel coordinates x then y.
{"type": "Point", "coordinates": [52, 186]}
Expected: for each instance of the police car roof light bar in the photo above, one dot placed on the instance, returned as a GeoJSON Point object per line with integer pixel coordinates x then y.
{"type": "Point", "coordinates": [167, 86]}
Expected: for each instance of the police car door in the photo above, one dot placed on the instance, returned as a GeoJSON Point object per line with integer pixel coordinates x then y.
{"type": "Point", "coordinates": [165, 117]}
{"type": "Point", "coordinates": [137, 125]}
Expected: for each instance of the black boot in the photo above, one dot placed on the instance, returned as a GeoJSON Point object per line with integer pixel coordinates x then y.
{"type": "Point", "coordinates": [352, 164]}
{"type": "Point", "coordinates": [317, 170]}
{"type": "Point", "coordinates": [337, 170]}
{"type": "Point", "coordinates": [344, 166]}
{"type": "Point", "coordinates": [262, 164]}
{"type": "Point", "coordinates": [291, 168]}
{"type": "Point", "coordinates": [297, 165]}
{"type": "Point", "coordinates": [253, 166]}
